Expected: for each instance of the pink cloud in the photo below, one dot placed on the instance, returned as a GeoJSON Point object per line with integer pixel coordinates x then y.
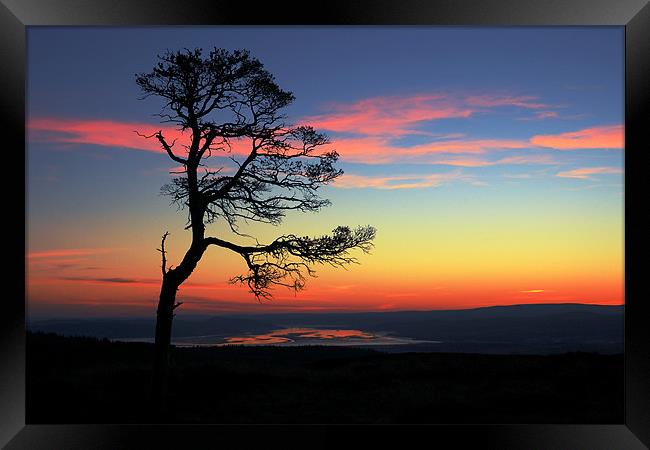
{"type": "Point", "coordinates": [410, 181]}
{"type": "Point", "coordinates": [610, 136]}
{"type": "Point", "coordinates": [107, 133]}
{"type": "Point", "coordinates": [399, 115]}
{"type": "Point", "coordinates": [110, 133]}
{"type": "Point", "coordinates": [372, 150]}
{"type": "Point", "coordinates": [585, 173]}
{"type": "Point", "coordinates": [393, 115]}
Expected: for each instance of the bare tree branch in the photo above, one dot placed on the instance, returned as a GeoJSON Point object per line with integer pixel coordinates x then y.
{"type": "Point", "coordinates": [168, 148]}
{"type": "Point", "coordinates": [290, 257]}
{"type": "Point", "coordinates": [164, 253]}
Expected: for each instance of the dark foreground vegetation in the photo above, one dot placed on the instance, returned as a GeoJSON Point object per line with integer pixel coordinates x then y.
{"type": "Point", "coordinates": [87, 380]}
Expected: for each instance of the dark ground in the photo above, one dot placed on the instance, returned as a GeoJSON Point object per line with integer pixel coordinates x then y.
{"type": "Point", "coordinates": [86, 380]}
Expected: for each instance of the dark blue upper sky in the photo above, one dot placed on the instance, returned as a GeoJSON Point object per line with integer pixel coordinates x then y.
{"type": "Point", "coordinates": [90, 72]}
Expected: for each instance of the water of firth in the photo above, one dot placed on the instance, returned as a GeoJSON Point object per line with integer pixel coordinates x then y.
{"type": "Point", "coordinates": [295, 336]}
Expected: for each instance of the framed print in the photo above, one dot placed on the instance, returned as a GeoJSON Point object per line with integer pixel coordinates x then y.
{"type": "Point", "coordinates": [381, 218]}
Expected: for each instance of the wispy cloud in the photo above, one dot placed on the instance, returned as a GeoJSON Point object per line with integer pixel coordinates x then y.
{"type": "Point", "coordinates": [546, 115]}
{"type": "Point", "coordinates": [413, 181]}
{"type": "Point", "coordinates": [107, 133]}
{"type": "Point", "coordinates": [372, 150]}
{"type": "Point", "coordinates": [587, 172]}
{"type": "Point", "coordinates": [388, 116]}
{"type": "Point", "coordinates": [518, 176]}
{"type": "Point", "coordinates": [602, 137]}
{"type": "Point", "coordinates": [112, 133]}
{"type": "Point", "coordinates": [500, 100]}
{"type": "Point", "coordinates": [473, 162]}
{"type": "Point", "coordinates": [112, 280]}
{"type": "Point", "coordinates": [461, 162]}
{"type": "Point", "coordinates": [396, 116]}
{"type": "Point", "coordinates": [68, 252]}
{"type": "Point", "coordinates": [541, 159]}
{"type": "Point", "coordinates": [65, 260]}
{"type": "Point", "coordinates": [541, 115]}
{"type": "Point", "coordinates": [410, 181]}
{"type": "Point", "coordinates": [135, 281]}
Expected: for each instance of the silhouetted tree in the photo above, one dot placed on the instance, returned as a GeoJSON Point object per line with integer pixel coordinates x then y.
{"type": "Point", "coordinates": [223, 100]}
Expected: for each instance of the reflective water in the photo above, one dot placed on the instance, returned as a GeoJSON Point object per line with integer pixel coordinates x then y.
{"type": "Point", "coordinates": [300, 336]}
{"type": "Point", "coordinates": [293, 336]}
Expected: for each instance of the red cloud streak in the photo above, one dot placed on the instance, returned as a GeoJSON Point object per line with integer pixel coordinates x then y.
{"type": "Point", "coordinates": [111, 133]}
{"type": "Point", "coordinates": [99, 132]}
{"type": "Point", "coordinates": [610, 136]}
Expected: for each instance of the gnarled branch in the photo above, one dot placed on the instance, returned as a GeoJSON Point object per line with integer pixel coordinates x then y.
{"type": "Point", "coordinates": [167, 147]}
{"type": "Point", "coordinates": [285, 261]}
{"type": "Point", "coordinates": [163, 253]}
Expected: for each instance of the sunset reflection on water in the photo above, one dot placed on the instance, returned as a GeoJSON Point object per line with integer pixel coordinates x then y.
{"type": "Point", "coordinates": [289, 335]}
{"type": "Point", "coordinates": [293, 336]}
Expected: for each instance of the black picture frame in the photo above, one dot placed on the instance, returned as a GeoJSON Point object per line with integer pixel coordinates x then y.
{"type": "Point", "coordinates": [16, 15]}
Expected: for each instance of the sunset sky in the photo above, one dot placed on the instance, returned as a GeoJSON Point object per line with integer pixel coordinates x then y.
{"type": "Point", "coordinates": [490, 160]}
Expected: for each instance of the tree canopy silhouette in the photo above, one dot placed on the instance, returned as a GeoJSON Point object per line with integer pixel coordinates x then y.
{"type": "Point", "coordinates": [230, 108]}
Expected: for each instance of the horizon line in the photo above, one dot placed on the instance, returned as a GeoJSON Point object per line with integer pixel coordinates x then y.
{"type": "Point", "coordinates": [312, 312]}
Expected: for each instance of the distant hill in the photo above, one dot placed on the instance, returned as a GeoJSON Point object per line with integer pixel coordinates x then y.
{"type": "Point", "coordinates": [370, 320]}
{"type": "Point", "coordinates": [538, 328]}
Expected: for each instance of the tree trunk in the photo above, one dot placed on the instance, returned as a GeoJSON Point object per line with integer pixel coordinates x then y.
{"type": "Point", "coordinates": [162, 344]}
{"type": "Point", "coordinates": [172, 279]}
